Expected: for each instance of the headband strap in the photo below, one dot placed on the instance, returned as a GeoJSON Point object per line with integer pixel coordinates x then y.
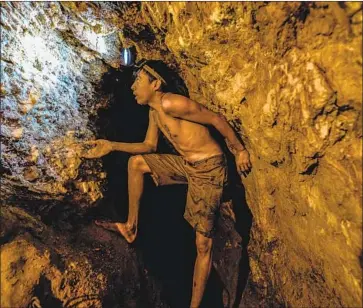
{"type": "Point", "coordinates": [153, 73]}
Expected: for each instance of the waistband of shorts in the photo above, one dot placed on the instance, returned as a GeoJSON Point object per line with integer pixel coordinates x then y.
{"type": "Point", "coordinates": [198, 162]}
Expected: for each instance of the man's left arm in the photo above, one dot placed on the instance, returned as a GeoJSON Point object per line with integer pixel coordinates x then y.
{"type": "Point", "coordinates": [181, 107]}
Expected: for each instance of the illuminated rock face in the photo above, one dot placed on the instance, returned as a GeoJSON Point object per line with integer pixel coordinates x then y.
{"type": "Point", "coordinates": [288, 77]}
{"type": "Point", "coordinates": [47, 90]}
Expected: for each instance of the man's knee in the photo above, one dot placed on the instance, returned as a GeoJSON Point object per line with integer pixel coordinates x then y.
{"type": "Point", "coordinates": [204, 244]}
{"type": "Point", "coordinates": [137, 163]}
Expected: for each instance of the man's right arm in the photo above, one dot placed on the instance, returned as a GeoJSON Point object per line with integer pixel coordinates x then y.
{"type": "Point", "coordinates": [102, 147]}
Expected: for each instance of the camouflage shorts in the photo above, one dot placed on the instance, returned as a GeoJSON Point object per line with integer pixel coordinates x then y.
{"type": "Point", "coordinates": [205, 178]}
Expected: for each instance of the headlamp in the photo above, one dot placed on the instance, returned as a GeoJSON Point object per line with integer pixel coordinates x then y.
{"type": "Point", "coordinates": [128, 56]}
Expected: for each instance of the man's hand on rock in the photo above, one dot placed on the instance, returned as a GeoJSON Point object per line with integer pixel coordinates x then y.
{"type": "Point", "coordinates": [96, 148]}
{"type": "Point", "coordinates": [243, 162]}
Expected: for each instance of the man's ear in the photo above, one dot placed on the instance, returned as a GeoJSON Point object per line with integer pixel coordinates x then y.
{"type": "Point", "coordinates": [157, 84]}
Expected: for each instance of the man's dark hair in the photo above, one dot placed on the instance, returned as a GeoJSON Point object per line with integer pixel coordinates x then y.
{"type": "Point", "coordinates": [174, 83]}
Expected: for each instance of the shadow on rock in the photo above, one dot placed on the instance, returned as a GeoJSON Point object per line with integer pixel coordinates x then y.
{"type": "Point", "coordinates": [43, 295]}
{"type": "Point", "coordinates": [243, 226]}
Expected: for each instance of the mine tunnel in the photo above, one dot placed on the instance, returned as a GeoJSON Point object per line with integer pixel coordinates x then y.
{"type": "Point", "coordinates": [287, 76]}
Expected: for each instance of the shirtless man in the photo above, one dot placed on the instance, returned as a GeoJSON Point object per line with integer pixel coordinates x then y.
{"type": "Point", "coordinates": [201, 163]}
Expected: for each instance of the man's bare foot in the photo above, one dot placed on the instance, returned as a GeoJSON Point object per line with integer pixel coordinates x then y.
{"type": "Point", "coordinates": [122, 228]}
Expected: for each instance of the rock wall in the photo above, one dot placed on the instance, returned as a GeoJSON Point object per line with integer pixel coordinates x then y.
{"type": "Point", "coordinates": [288, 77]}
{"type": "Point", "coordinates": [291, 74]}
{"type": "Point", "coordinates": [52, 59]}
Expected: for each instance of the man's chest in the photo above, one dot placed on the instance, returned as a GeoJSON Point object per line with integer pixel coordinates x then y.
{"type": "Point", "coordinates": [171, 127]}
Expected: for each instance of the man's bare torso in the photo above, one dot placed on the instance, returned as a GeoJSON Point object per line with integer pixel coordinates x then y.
{"type": "Point", "coordinates": [192, 140]}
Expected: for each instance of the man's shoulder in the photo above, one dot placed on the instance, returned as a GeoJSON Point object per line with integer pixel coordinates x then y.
{"type": "Point", "coordinates": [170, 100]}
{"type": "Point", "coordinates": [173, 97]}
{"type": "Point", "coordinates": [174, 104]}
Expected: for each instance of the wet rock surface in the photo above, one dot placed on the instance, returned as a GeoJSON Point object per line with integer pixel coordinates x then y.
{"type": "Point", "coordinates": [287, 76]}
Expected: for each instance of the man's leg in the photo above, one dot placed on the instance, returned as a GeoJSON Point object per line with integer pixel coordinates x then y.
{"type": "Point", "coordinates": [137, 167]}
{"type": "Point", "coordinates": [202, 268]}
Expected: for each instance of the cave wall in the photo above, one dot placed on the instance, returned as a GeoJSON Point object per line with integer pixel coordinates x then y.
{"type": "Point", "coordinates": [287, 76]}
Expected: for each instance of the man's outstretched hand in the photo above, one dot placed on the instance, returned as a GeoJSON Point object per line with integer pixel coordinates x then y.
{"type": "Point", "coordinates": [96, 148]}
{"type": "Point", "coordinates": [243, 162]}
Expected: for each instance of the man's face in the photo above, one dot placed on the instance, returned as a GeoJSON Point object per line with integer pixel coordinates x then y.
{"type": "Point", "coordinates": [142, 88]}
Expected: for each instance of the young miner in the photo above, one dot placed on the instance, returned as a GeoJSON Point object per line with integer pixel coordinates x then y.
{"type": "Point", "coordinates": [201, 164]}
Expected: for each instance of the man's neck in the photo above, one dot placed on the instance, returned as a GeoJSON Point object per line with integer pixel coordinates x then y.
{"type": "Point", "coordinates": [155, 100]}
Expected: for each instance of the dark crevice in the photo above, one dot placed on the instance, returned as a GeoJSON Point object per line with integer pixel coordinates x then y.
{"type": "Point", "coordinates": [9, 236]}
{"type": "Point", "coordinates": [254, 20]}
{"type": "Point", "coordinates": [243, 100]}
{"type": "Point", "coordinates": [145, 34]}
{"type": "Point", "coordinates": [244, 220]}
{"type": "Point", "coordinates": [302, 12]}
{"type": "Point", "coordinates": [43, 295]}
{"type": "Point", "coordinates": [311, 170]}
{"type": "Point", "coordinates": [345, 108]}
{"type": "Point", "coordinates": [277, 163]}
